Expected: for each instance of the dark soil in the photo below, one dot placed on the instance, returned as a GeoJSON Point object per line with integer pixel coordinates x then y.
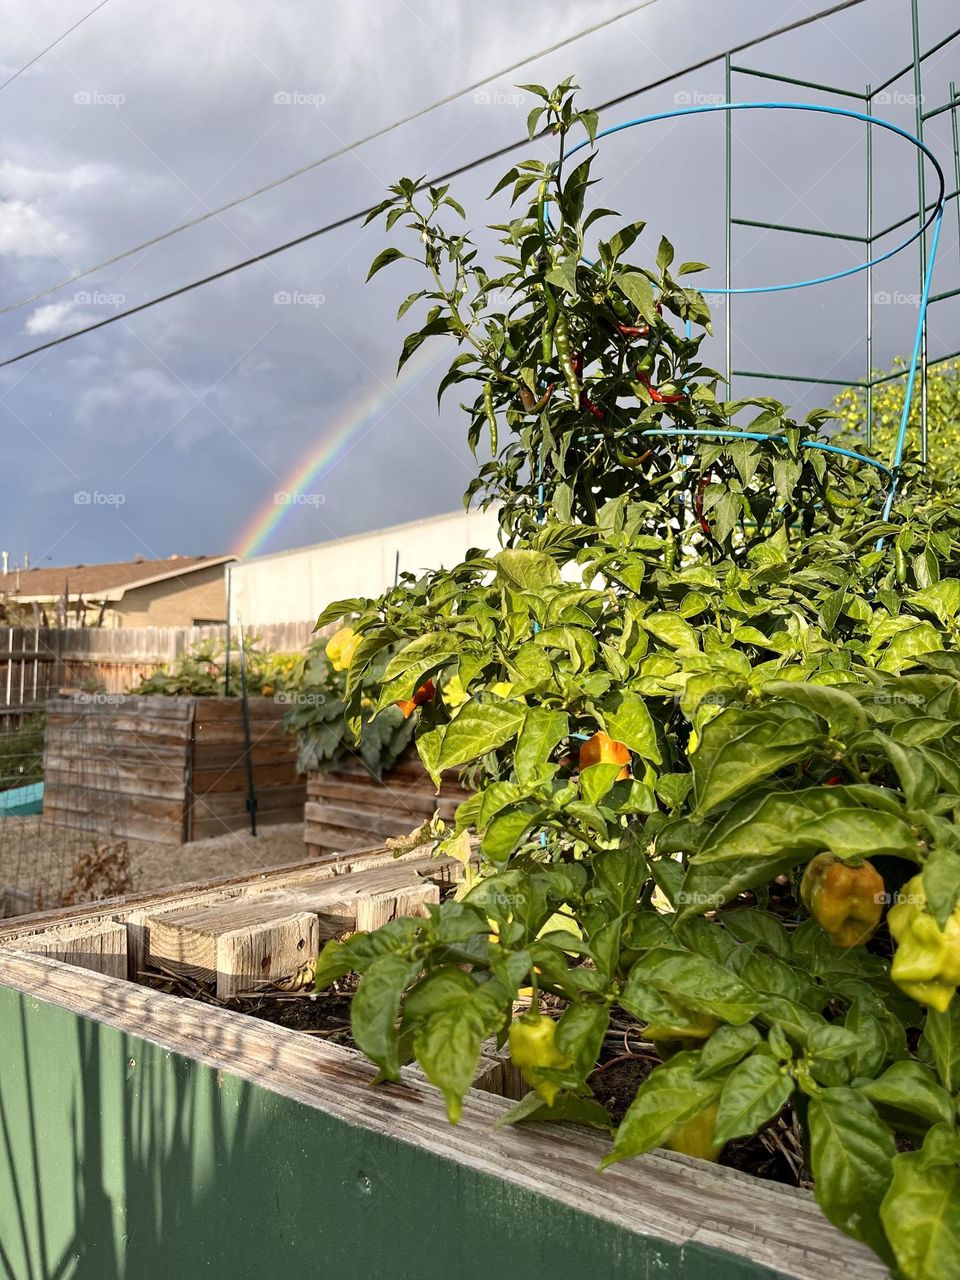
{"type": "Point", "coordinates": [326, 1015]}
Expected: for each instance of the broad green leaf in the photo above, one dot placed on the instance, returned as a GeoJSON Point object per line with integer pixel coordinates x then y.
{"type": "Point", "coordinates": [794, 823]}
{"type": "Point", "coordinates": [375, 1007]}
{"type": "Point", "coordinates": [697, 983]}
{"type": "Point", "coordinates": [384, 259]}
{"type": "Point", "coordinates": [542, 731]}
{"type": "Point", "coordinates": [851, 1153]}
{"type": "Point", "coordinates": [669, 1097]}
{"type": "Point", "coordinates": [528, 570]}
{"type": "Point", "coordinates": [480, 727]}
{"type": "Point", "coordinates": [941, 1038]}
{"type": "Point", "coordinates": [727, 1046]}
{"type": "Point", "coordinates": [755, 1091]}
{"type": "Point", "coordinates": [638, 290]}
{"type": "Point", "coordinates": [921, 1215]}
{"type": "Point", "coordinates": [741, 748]}
{"type": "Point", "coordinates": [750, 924]}
{"type": "Point", "coordinates": [596, 781]}
{"type": "Point", "coordinates": [406, 669]}
{"type": "Point", "coordinates": [505, 832]}
{"type": "Point", "coordinates": [447, 1046]}
{"type": "Point", "coordinates": [628, 721]}
{"type": "Point", "coordinates": [841, 710]}
{"type": "Point", "coordinates": [910, 1086]}
{"type": "Point", "coordinates": [567, 1108]}
{"type": "Point", "coordinates": [671, 630]}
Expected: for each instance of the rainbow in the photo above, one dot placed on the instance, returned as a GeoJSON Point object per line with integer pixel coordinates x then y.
{"type": "Point", "coordinates": [335, 443]}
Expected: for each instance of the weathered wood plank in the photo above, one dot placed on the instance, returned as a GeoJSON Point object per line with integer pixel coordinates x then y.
{"type": "Point", "coordinates": [266, 952]}
{"type": "Point", "coordinates": [684, 1204]}
{"type": "Point", "coordinates": [101, 948]}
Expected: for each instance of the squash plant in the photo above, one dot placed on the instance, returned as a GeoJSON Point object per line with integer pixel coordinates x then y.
{"type": "Point", "coordinates": [698, 667]}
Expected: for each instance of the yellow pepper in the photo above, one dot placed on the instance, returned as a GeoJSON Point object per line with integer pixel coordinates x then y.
{"type": "Point", "coordinates": [696, 1137]}
{"type": "Point", "coordinates": [926, 964]}
{"type": "Point", "coordinates": [533, 1047]}
{"type": "Point", "coordinates": [341, 647]}
{"type": "Point", "coordinates": [845, 898]}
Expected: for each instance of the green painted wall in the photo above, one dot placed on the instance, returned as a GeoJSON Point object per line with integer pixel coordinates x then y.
{"type": "Point", "coordinates": [121, 1161]}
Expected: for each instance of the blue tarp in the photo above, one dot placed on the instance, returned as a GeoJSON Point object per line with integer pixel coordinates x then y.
{"type": "Point", "coordinates": [19, 801]}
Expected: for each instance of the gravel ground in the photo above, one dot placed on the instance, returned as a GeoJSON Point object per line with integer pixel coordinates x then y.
{"type": "Point", "coordinates": [29, 862]}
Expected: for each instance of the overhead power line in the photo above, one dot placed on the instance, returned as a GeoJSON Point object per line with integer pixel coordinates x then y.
{"type": "Point", "coordinates": [359, 214]}
{"type": "Point", "coordinates": [325, 159]}
{"type": "Point", "coordinates": [27, 65]}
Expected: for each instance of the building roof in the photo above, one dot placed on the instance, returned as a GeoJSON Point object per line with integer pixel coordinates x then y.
{"type": "Point", "coordinates": [100, 581]}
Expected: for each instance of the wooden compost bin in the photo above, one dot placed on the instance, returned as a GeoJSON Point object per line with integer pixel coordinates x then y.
{"type": "Point", "coordinates": [347, 808]}
{"type": "Point", "coordinates": [179, 765]}
{"type": "Point", "coordinates": [146, 1136]}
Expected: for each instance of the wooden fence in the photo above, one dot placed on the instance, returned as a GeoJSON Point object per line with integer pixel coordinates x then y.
{"type": "Point", "coordinates": [171, 769]}
{"type": "Point", "coordinates": [35, 662]}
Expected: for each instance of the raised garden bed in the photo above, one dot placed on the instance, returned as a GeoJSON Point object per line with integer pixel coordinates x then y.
{"type": "Point", "coordinates": [149, 1135]}
{"type": "Point", "coordinates": [348, 808]}
{"type": "Point", "coordinates": [172, 769]}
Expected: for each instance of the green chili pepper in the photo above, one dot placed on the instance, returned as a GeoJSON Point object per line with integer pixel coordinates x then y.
{"type": "Point", "coordinates": [491, 415]}
{"type": "Point", "coordinates": [900, 562]}
{"type": "Point", "coordinates": [561, 336]}
{"type": "Point", "coordinates": [670, 551]}
{"type": "Point", "coordinates": [546, 336]}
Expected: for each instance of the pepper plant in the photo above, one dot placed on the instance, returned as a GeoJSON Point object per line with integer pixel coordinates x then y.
{"type": "Point", "coordinates": [698, 669]}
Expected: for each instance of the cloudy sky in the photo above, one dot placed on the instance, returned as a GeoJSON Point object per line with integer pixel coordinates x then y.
{"type": "Point", "coordinates": [181, 424]}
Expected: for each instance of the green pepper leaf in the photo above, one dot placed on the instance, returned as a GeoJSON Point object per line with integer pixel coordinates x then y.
{"type": "Point", "coordinates": [755, 1091]}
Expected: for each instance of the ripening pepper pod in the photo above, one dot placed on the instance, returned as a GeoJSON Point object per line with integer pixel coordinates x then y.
{"type": "Point", "coordinates": [341, 647]}
{"type": "Point", "coordinates": [602, 749]}
{"type": "Point", "coordinates": [845, 898]}
{"type": "Point", "coordinates": [926, 963]}
{"type": "Point", "coordinates": [533, 1047]}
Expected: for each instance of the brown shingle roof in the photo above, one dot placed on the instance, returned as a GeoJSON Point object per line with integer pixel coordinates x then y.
{"type": "Point", "coordinates": [94, 581]}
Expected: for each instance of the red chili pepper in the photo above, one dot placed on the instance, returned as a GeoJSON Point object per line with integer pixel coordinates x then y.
{"type": "Point", "coordinates": [657, 396]}
{"type": "Point", "coordinates": [633, 330]}
{"type": "Point", "coordinates": [834, 781]}
{"type": "Point", "coordinates": [585, 402]}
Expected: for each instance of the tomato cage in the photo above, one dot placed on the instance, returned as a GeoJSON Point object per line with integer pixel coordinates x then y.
{"type": "Point", "coordinates": [930, 219]}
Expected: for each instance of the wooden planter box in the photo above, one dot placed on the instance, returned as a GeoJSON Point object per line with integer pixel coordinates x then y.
{"type": "Point", "coordinates": [170, 769]}
{"type": "Point", "coordinates": [347, 808]}
{"type": "Point", "coordinates": [146, 1136]}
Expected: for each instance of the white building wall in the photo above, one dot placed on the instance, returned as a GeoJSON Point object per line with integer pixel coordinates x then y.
{"type": "Point", "coordinates": [294, 586]}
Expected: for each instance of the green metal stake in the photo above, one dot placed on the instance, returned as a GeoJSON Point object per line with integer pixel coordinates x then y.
{"type": "Point", "coordinates": [869, 109]}
{"type": "Point", "coordinates": [922, 242]}
{"type": "Point", "coordinates": [728, 239]}
{"type": "Point", "coordinates": [247, 743]}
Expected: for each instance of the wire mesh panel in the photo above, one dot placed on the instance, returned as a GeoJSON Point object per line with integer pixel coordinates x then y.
{"type": "Point", "coordinates": [57, 855]}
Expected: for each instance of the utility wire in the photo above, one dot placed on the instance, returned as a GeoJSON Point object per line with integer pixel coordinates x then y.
{"type": "Point", "coordinates": [325, 159]}
{"type": "Point", "coordinates": [27, 65]}
{"type": "Point", "coordinates": [359, 214]}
